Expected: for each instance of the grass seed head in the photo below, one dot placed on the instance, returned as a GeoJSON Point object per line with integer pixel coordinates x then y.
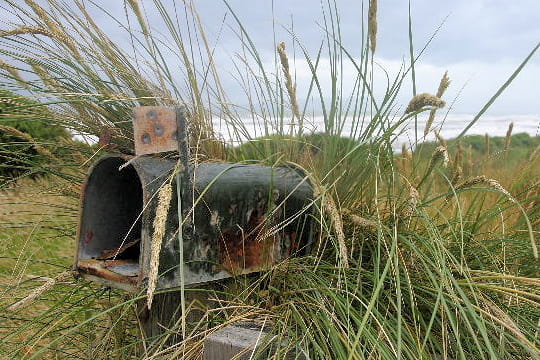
{"type": "Point", "coordinates": [331, 209]}
{"type": "Point", "coordinates": [412, 202]}
{"type": "Point", "coordinates": [458, 174]}
{"type": "Point", "coordinates": [372, 25]}
{"type": "Point", "coordinates": [508, 137]}
{"type": "Point", "coordinates": [443, 85]}
{"type": "Point", "coordinates": [162, 210]}
{"type": "Point", "coordinates": [11, 70]}
{"type": "Point", "coordinates": [27, 30]}
{"type": "Point", "coordinates": [406, 153]}
{"type": "Point", "coordinates": [483, 180]}
{"type": "Point", "coordinates": [49, 283]}
{"type": "Point", "coordinates": [134, 5]}
{"type": "Point", "coordinates": [439, 154]}
{"type": "Point", "coordinates": [289, 85]}
{"type": "Point", "coordinates": [363, 222]}
{"type": "Point", "coordinates": [423, 100]}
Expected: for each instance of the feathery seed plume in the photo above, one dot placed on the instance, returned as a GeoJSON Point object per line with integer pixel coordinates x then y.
{"type": "Point", "coordinates": [420, 101]}
{"type": "Point", "coordinates": [162, 210]}
{"type": "Point", "coordinates": [291, 87]}
{"type": "Point", "coordinates": [492, 183]}
{"type": "Point", "coordinates": [49, 283]}
{"type": "Point", "coordinates": [332, 211]}
{"type": "Point", "coordinates": [443, 85]}
{"type": "Point", "coordinates": [372, 25]}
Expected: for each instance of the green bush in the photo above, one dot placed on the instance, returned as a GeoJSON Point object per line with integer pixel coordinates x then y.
{"type": "Point", "coordinates": [28, 136]}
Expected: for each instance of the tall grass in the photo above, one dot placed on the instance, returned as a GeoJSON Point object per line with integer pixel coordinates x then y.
{"type": "Point", "coordinates": [409, 264]}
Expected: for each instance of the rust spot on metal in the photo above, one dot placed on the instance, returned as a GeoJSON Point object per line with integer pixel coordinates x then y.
{"type": "Point", "coordinates": [88, 237]}
{"type": "Point", "coordinates": [106, 139]}
{"type": "Point", "coordinates": [245, 250]}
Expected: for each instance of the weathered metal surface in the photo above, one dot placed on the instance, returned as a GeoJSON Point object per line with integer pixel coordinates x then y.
{"type": "Point", "coordinates": [154, 129]}
{"type": "Point", "coordinates": [241, 218]}
{"type": "Point", "coordinates": [113, 270]}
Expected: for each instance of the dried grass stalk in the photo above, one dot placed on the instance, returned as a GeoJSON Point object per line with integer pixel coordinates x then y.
{"type": "Point", "coordinates": [535, 153]}
{"type": "Point", "coordinates": [53, 32]}
{"type": "Point", "coordinates": [442, 140]}
{"type": "Point", "coordinates": [458, 174]}
{"type": "Point", "coordinates": [406, 153]}
{"type": "Point", "coordinates": [504, 319]}
{"type": "Point", "coordinates": [443, 85]}
{"type": "Point", "coordinates": [291, 87]}
{"type": "Point", "coordinates": [332, 211]}
{"type": "Point", "coordinates": [27, 137]}
{"type": "Point", "coordinates": [420, 101]}
{"type": "Point", "coordinates": [11, 70]}
{"type": "Point", "coordinates": [363, 222]}
{"type": "Point", "coordinates": [162, 210]}
{"type": "Point", "coordinates": [372, 25]}
{"type": "Point", "coordinates": [483, 180]}
{"type": "Point", "coordinates": [48, 80]}
{"type": "Point", "coordinates": [470, 162]}
{"type": "Point", "coordinates": [134, 5]}
{"type": "Point", "coordinates": [508, 137]}
{"type": "Point", "coordinates": [27, 30]}
{"type": "Point", "coordinates": [49, 283]}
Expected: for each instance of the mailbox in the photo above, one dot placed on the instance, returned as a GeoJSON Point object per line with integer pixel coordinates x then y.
{"type": "Point", "coordinates": [237, 219]}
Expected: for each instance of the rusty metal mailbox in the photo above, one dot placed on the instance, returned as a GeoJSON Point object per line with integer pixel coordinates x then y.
{"type": "Point", "coordinates": [240, 219]}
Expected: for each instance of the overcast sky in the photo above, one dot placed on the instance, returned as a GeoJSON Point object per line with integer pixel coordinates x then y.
{"type": "Point", "coordinates": [480, 42]}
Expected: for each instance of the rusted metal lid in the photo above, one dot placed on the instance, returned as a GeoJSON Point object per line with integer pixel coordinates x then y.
{"type": "Point", "coordinates": [155, 129]}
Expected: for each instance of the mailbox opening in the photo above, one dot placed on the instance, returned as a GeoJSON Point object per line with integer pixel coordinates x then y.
{"type": "Point", "coordinates": [110, 229]}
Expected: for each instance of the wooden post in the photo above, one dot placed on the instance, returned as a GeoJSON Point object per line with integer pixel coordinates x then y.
{"type": "Point", "coordinates": [234, 342]}
{"type": "Point", "coordinates": [166, 314]}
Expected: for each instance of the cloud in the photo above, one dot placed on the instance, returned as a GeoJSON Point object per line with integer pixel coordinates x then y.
{"type": "Point", "coordinates": [473, 83]}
